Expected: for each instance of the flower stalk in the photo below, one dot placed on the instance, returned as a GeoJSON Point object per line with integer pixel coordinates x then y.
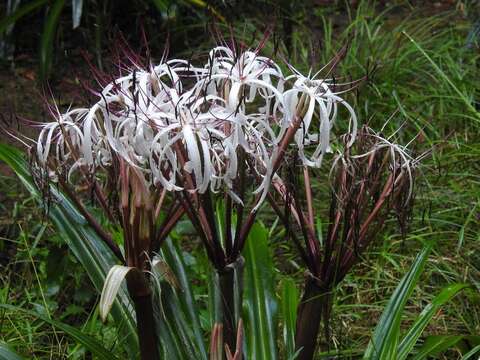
{"type": "Point", "coordinates": [310, 310]}
{"type": "Point", "coordinates": [141, 295]}
{"type": "Point", "coordinates": [371, 180]}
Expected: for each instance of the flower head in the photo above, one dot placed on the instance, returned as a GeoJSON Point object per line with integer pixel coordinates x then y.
{"type": "Point", "coordinates": [193, 128]}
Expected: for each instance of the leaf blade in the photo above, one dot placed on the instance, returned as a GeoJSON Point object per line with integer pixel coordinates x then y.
{"type": "Point", "coordinates": [410, 339]}
{"type": "Point", "coordinates": [289, 303]}
{"type": "Point", "coordinates": [6, 353]}
{"type": "Point", "coordinates": [437, 344]}
{"type": "Point", "coordinates": [113, 281]}
{"type": "Point", "coordinates": [442, 74]}
{"type": "Point", "coordinates": [19, 13]}
{"type": "Point", "coordinates": [187, 311]}
{"type": "Point", "coordinates": [383, 344]}
{"type": "Point", "coordinates": [260, 296]}
{"type": "Point", "coordinates": [46, 42]}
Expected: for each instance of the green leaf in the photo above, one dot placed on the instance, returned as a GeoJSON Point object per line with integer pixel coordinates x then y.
{"type": "Point", "coordinates": [186, 296]}
{"type": "Point", "coordinates": [214, 298]}
{"type": "Point", "coordinates": [424, 318]}
{"type": "Point", "coordinates": [436, 344]}
{"type": "Point", "coordinates": [177, 313]}
{"type": "Point", "coordinates": [8, 354]}
{"type": "Point", "coordinates": [289, 303]}
{"type": "Point", "coordinates": [95, 257]}
{"type": "Point", "coordinates": [46, 43]}
{"type": "Point", "coordinates": [461, 233]}
{"type": "Point", "coordinates": [95, 347]}
{"type": "Point", "coordinates": [162, 5]}
{"type": "Point", "coordinates": [384, 342]}
{"type": "Point", "coordinates": [261, 303]}
{"type": "Point", "coordinates": [473, 352]}
{"type": "Point", "coordinates": [21, 12]}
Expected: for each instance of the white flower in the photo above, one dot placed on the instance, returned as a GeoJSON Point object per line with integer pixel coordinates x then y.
{"type": "Point", "coordinates": [306, 94]}
{"type": "Point", "coordinates": [182, 126]}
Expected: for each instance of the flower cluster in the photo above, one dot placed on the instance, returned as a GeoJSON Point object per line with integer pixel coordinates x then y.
{"type": "Point", "coordinates": [186, 127]}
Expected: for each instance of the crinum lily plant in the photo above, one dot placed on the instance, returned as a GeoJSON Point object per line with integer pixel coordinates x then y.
{"type": "Point", "coordinates": [176, 139]}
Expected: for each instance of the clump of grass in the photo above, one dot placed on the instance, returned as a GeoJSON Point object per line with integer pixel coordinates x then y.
{"type": "Point", "coordinates": [38, 272]}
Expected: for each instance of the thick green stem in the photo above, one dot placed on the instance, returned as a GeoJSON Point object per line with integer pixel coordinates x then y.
{"type": "Point", "coordinates": [309, 315]}
{"type": "Point", "coordinates": [142, 298]}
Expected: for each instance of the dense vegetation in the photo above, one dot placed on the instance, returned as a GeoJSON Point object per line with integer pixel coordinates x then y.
{"type": "Point", "coordinates": [418, 72]}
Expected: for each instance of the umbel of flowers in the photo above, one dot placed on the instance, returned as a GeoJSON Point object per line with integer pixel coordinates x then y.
{"type": "Point", "coordinates": [176, 139]}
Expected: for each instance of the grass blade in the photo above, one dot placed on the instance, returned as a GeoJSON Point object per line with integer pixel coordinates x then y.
{"type": "Point", "coordinates": [444, 76]}
{"type": "Point", "coordinates": [437, 344]}
{"type": "Point", "coordinates": [46, 43]}
{"type": "Point", "coordinates": [471, 353]}
{"type": "Point", "coordinates": [384, 342]}
{"type": "Point", "coordinates": [424, 318]}
{"type": "Point", "coordinates": [21, 12]}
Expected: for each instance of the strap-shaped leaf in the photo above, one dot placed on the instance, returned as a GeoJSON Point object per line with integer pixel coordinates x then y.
{"type": "Point", "coordinates": [384, 342]}
{"type": "Point", "coordinates": [436, 344]}
{"type": "Point", "coordinates": [178, 321]}
{"type": "Point", "coordinates": [8, 354]}
{"type": "Point", "coordinates": [471, 353]}
{"type": "Point", "coordinates": [77, 9]}
{"type": "Point", "coordinates": [49, 31]}
{"type": "Point", "coordinates": [19, 13]}
{"type": "Point", "coordinates": [261, 302]}
{"type": "Point", "coordinates": [289, 303]}
{"type": "Point", "coordinates": [424, 318]}
{"type": "Point", "coordinates": [114, 280]}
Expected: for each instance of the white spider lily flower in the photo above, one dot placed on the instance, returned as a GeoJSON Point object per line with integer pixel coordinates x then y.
{"type": "Point", "coordinates": [401, 162]}
{"type": "Point", "coordinates": [64, 134]}
{"type": "Point", "coordinates": [183, 127]}
{"type": "Point", "coordinates": [245, 72]}
{"type": "Point", "coordinates": [129, 111]}
{"type": "Point", "coordinates": [210, 143]}
{"type": "Point", "coordinates": [400, 158]}
{"type": "Point", "coordinates": [306, 95]}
